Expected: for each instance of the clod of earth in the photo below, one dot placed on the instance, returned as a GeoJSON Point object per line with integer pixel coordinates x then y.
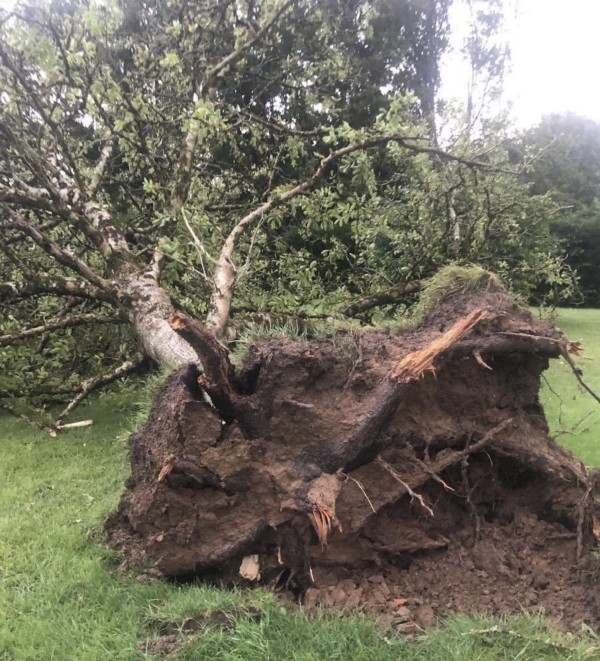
{"type": "Point", "coordinates": [407, 474]}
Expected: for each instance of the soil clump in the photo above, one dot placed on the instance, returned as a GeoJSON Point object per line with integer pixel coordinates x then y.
{"type": "Point", "coordinates": [406, 474]}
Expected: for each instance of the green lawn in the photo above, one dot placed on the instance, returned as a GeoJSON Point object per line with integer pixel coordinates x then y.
{"type": "Point", "coordinates": [61, 599]}
{"type": "Point", "coordinates": [572, 413]}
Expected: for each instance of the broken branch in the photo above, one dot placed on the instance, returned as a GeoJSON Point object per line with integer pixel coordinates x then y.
{"type": "Point", "coordinates": [58, 324]}
{"type": "Point", "coordinates": [97, 382]}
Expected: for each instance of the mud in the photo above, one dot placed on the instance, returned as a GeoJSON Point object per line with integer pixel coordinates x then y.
{"type": "Point", "coordinates": [504, 526]}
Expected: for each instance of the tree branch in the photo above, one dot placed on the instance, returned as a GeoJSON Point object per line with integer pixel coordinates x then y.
{"type": "Point", "coordinates": [326, 165]}
{"type": "Point", "coordinates": [391, 295]}
{"type": "Point", "coordinates": [281, 128]}
{"type": "Point", "coordinates": [39, 107]}
{"type": "Point", "coordinates": [99, 381]}
{"type": "Point", "coordinates": [58, 324]}
{"type": "Point", "coordinates": [184, 169]}
{"type": "Point", "coordinates": [36, 390]}
{"type": "Point", "coordinates": [89, 217]}
{"type": "Point", "coordinates": [33, 198]}
{"type": "Point", "coordinates": [224, 275]}
{"type": "Point", "coordinates": [61, 256]}
{"type": "Point", "coordinates": [15, 260]}
{"type": "Point", "coordinates": [54, 286]}
{"type": "Point", "coordinates": [236, 54]}
{"type": "Point", "coordinates": [39, 199]}
{"type": "Point", "coordinates": [100, 168]}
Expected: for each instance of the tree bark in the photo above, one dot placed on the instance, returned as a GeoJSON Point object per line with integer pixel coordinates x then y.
{"type": "Point", "coordinates": [148, 316]}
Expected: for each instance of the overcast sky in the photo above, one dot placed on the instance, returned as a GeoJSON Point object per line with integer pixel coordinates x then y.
{"type": "Point", "coordinates": [555, 46]}
{"type": "Point", "coordinates": [555, 64]}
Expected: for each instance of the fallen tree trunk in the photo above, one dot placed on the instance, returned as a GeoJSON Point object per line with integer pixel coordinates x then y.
{"type": "Point", "coordinates": [370, 458]}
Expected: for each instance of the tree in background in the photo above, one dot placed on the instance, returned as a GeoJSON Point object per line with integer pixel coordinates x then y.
{"type": "Point", "coordinates": [207, 155]}
{"type": "Point", "coordinates": [570, 172]}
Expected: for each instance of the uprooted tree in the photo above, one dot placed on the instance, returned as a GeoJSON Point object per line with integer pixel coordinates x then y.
{"type": "Point", "coordinates": [165, 157]}
{"type": "Point", "coordinates": [370, 467]}
{"type": "Point", "coordinates": [159, 156]}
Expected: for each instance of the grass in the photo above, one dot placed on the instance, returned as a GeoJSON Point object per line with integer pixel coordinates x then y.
{"type": "Point", "coordinates": [61, 598]}
{"type": "Point", "coordinates": [451, 281]}
{"type": "Point", "coordinates": [573, 415]}
{"type": "Point", "coordinates": [447, 282]}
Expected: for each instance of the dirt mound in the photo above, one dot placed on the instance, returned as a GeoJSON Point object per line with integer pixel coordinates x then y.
{"type": "Point", "coordinates": [405, 474]}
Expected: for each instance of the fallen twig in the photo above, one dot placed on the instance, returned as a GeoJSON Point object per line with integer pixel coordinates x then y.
{"type": "Point", "coordinates": [72, 425]}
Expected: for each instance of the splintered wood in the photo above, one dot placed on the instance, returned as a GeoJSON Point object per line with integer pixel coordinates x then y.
{"type": "Point", "coordinates": [324, 520]}
{"type": "Point", "coordinates": [168, 466]}
{"type": "Point", "coordinates": [415, 364]}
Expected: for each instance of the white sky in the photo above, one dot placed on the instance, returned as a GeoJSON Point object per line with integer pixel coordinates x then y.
{"type": "Point", "coordinates": [555, 48]}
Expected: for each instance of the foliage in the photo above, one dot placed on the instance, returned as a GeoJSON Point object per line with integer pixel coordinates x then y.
{"type": "Point", "coordinates": [136, 397]}
{"type": "Point", "coordinates": [61, 598]}
{"type": "Point", "coordinates": [78, 77]}
{"type": "Point", "coordinates": [569, 172]}
{"type": "Point", "coordinates": [112, 148]}
{"type": "Point", "coordinates": [579, 233]}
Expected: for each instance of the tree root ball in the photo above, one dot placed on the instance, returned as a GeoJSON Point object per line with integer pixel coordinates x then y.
{"type": "Point", "coordinates": [409, 474]}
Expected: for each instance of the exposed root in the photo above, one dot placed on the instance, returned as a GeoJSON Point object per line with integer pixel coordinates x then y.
{"type": "Point", "coordinates": [568, 348]}
{"type": "Point", "coordinates": [167, 467]}
{"type": "Point", "coordinates": [479, 359]}
{"type": "Point", "coordinates": [324, 520]}
{"type": "Point", "coordinates": [417, 363]}
{"type": "Point", "coordinates": [413, 495]}
{"type": "Point", "coordinates": [274, 460]}
{"type": "Point", "coordinates": [434, 476]}
{"type": "Point", "coordinates": [360, 486]}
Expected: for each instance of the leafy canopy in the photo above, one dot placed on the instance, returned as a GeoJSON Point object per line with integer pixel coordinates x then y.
{"type": "Point", "coordinates": [78, 75]}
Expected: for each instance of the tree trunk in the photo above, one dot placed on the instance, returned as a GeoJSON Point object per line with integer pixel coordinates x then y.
{"type": "Point", "coordinates": [223, 287]}
{"type": "Point", "coordinates": [148, 316]}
